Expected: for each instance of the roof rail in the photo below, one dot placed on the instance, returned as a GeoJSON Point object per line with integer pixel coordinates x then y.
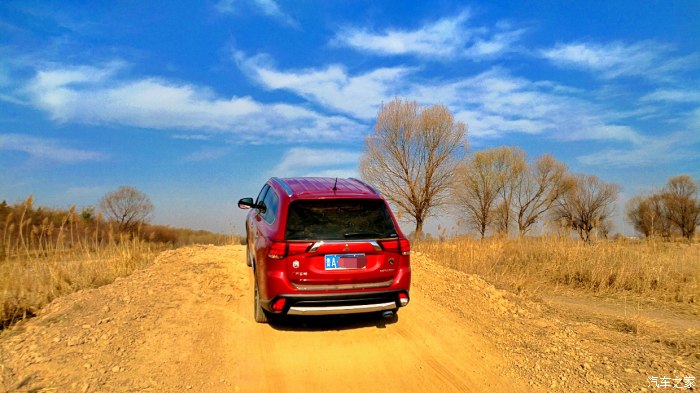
{"type": "Point", "coordinates": [284, 186]}
{"type": "Point", "coordinates": [366, 185]}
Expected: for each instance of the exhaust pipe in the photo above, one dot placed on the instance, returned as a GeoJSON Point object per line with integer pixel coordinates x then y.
{"type": "Point", "coordinates": [388, 314]}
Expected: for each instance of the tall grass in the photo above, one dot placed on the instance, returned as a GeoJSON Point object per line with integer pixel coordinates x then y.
{"type": "Point", "coordinates": [666, 271]}
{"type": "Point", "coordinates": [59, 254]}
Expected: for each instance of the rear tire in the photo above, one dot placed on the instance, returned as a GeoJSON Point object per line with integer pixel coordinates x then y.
{"type": "Point", "coordinates": [259, 314]}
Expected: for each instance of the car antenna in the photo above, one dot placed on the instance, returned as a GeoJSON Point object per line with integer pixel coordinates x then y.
{"type": "Point", "coordinates": [335, 188]}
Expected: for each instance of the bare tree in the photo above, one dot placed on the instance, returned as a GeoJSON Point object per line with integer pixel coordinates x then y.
{"type": "Point", "coordinates": [683, 207]}
{"type": "Point", "coordinates": [411, 156]}
{"type": "Point", "coordinates": [511, 166]}
{"type": "Point", "coordinates": [537, 189]}
{"type": "Point", "coordinates": [587, 205]}
{"type": "Point", "coordinates": [501, 217]}
{"type": "Point", "coordinates": [648, 215]}
{"type": "Point", "coordinates": [477, 188]}
{"type": "Point", "coordinates": [127, 206]}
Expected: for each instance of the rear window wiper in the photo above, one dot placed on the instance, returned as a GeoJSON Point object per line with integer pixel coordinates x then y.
{"type": "Point", "coordinates": [362, 235]}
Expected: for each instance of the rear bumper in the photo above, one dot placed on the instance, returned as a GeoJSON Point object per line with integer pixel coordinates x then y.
{"type": "Point", "coordinates": [332, 310]}
{"type": "Point", "coordinates": [345, 303]}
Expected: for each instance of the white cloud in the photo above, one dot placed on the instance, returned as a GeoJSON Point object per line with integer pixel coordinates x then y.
{"type": "Point", "coordinates": [495, 103]}
{"type": "Point", "coordinates": [192, 137]}
{"type": "Point", "coordinates": [225, 6]}
{"type": "Point", "coordinates": [695, 119]}
{"type": "Point", "coordinates": [46, 149]}
{"type": "Point", "coordinates": [12, 99]}
{"type": "Point", "coordinates": [269, 8]}
{"type": "Point", "coordinates": [303, 161]}
{"type": "Point", "coordinates": [671, 95]}
{"type": "Point", "coordinates": [494, 45]}
{"type": "Point", "coordinates": [331, 86]}
{"type": "Point", "coordinates": [442, 38]}
{"type": "Point", "coordinates": [492, 103]}
{"type": "Point", "coordinates": [485, 125]}
{"type": "Point", "coordinates": [94, 95]}
{"type": "Point", "coordinates": [445, 38]}
{"type": "Point", "coordinates": [650, 60]}
{"type": "Point", "coordinates": [648, 151]}
{"type": "Point", "coordinates": [207, 154]}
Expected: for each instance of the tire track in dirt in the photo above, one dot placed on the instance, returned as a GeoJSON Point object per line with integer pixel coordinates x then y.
{"type": "Point", "coordinates": [425, 350]}
{"type": "Point", "coordinates": [186, 323]}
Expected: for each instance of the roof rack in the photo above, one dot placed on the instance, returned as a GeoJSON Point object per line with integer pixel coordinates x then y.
{"type": "Point", "coordinates": [284, 186]}
{"type": "Point", "coordinates": [366, 185]}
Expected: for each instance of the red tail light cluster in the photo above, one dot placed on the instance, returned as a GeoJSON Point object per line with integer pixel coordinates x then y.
{"type": "Point", "coordinates": [281, 250]}
{"type": "Point", "coordinates": [277, 250]}
{"type": "Point", "coordinates": [403, 299]}
{"type": "Point", "coordinates": [405, 247]}
{"type": "Point", "coordinates": [400, 246]}
{"type": "Point", "coordinates": [278, 305]}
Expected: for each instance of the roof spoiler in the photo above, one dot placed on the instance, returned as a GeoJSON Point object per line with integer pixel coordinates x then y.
{"type": "Point", "coordinates": [374, 190]}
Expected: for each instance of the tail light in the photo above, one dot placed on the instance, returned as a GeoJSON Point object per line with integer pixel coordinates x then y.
{"type": "Point", "coordinates": [277, 250]}
{"type": "Point", "coordinates": [399, 246]}
{"type": "Point", "coordinates": [405, 247]}
{"type": "Point", "coordinates": [403, 299]}
{"type": "Point", "coordinates": [278, 305]}
{"type": "Point", "coordinates": [297, 248]}
{"type": "Point", "coordinates": [280, 250]}
{"type": "Point", "coordinates": [390, 246]}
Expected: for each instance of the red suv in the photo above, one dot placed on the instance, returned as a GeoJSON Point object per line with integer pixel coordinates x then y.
{"type": "Point", "coordinates": [323, 246]}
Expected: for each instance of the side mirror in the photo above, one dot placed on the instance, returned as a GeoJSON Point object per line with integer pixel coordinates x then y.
{"type": "Point", "coordinates": [246, 203]}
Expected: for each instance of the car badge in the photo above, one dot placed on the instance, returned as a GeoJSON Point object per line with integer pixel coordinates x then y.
{"type": "Point", "coordinates": [295, 264]}
{"type": "Point", "coordinates": [347, 247]}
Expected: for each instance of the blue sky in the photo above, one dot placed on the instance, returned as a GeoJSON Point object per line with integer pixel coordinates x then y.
{"type": "Point", "coordinates": [197, 104]}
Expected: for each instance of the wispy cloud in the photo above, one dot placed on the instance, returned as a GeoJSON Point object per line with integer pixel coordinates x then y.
{"type": "Point", "coordinates": [47, 149]}
{"type": "Point", "coordinates": [192, 137]}
{"type": "Point", "coordinates": [207, 154]}
{"type": "Point", "coordinates": [492, 103]}
{"type": "Point", "coordinates": [303, 161]}
{"type": "Point", "coordinates": [672, 95]}
{"type": "Point", "coordinates": [650, 60]}
{"type": "Point", "coordinates": [331, 86]}
{"type": "Point", "coordinates": [649, 151]}
{"type": "Point", "coordinates": [495, 103]}
{"type": "Point", "coordinates": [445, 38]}
{"type": "Point", "coordinates": [695, 119]}
{"type": "Point", "coordinates": [269, 8]}
{"type": "Point", "coordinates": [96, 95]}
{"type": "Point", "coordinates": [494, 45]}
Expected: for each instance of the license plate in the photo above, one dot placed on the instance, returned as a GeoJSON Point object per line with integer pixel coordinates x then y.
{"type": "Point", "coordinates": [345, 261]}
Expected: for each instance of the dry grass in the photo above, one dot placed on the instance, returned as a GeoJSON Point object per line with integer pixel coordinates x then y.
{"type": "Point", "coordinates": [178, 237]}
{"type": "Point", "coordinates": [41, 261]}
{"type": "Point", "coordinates": [664, 271]}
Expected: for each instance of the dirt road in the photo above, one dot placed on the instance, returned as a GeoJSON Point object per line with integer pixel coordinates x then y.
{"type": "Point", "coordinates": [185, 323]}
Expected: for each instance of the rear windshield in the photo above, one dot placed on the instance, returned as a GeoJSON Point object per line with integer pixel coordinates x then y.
{"type": "Point", "coordinates": [339, 219]}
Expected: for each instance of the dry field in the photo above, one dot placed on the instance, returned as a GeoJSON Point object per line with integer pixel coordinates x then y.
{"type": "Point", "coordinates": [649, 289]}
{"type": "Point", "coordinates": [563, 316]}
{"type": "Point", "coordinates": [42, 261]}
{"type": "Point", "coordinates": [46, 253]}
{"type": "Point", "coordinates": [667, 272]}
{"type": "Point", "coordinates": [185, 323]}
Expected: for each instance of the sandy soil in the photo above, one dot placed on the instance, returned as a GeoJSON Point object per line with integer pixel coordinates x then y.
{"type": "Point", "coordinates": [185, 323]}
